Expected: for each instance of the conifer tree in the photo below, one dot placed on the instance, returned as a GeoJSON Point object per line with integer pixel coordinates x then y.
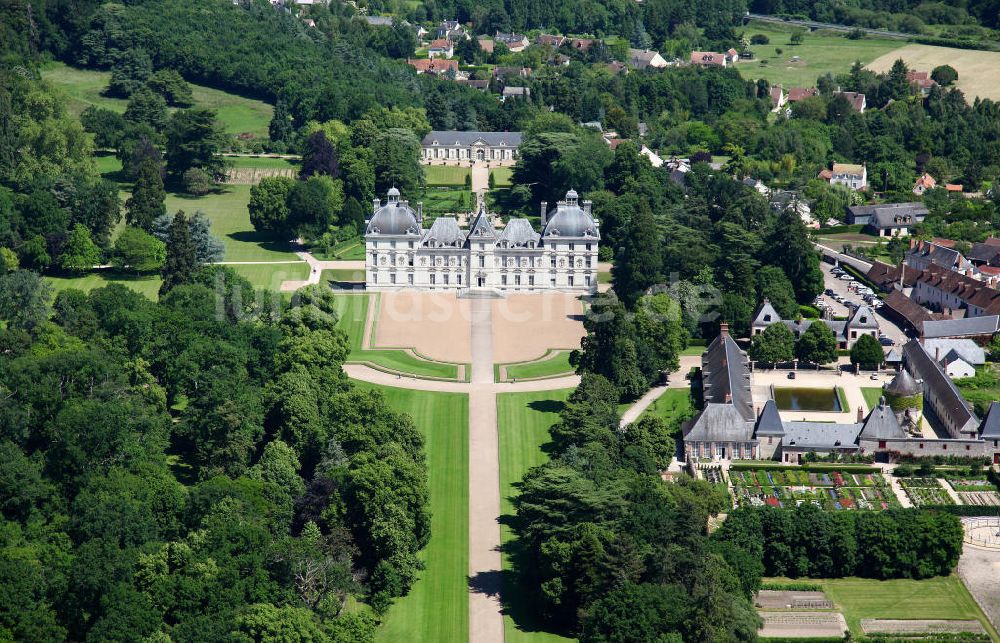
{"type": "Point", "coordinates": [148, 196]}
{"type": "Point", "coordinates": [181, 257]}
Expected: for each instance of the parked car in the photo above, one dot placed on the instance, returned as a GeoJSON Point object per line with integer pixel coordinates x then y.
{"type": "Point", "coordinates": [845, 278]}
{"type": "Point", "coordinates": [828, 292]}
{"type": "Point", "coordinates": [874, 376]}
{"type": "Point", "coordinates": [886, 341]}
{"type": "Point", "coordinates": [791, 375]}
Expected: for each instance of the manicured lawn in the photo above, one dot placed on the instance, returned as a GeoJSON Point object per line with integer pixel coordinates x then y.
{"type": "Point", "coordinates": [502, 176]}
{"type": "Point", "coordinates": [353, 311]}
{"type": "Point", "coordinates": [437, 607]}
{"type": "Point", "coordinates": [349, 250]}
{"type": "Point", "coordinates": [693, 351]}
{"type": "Point", "coordinates": [231, 222]}
{"type": "Point", "coordinates": [445, 175]}
{"type": "Point", "coordinates": [265, 162]}
{"type": "Point", "coordinates": [447, 201]}
{"type": "Point", "coordinates": [523, 420]}
{"type": "Point", "coordinates": [148, 285]}
{"type": "Point", "coordinates": [818, 54]}
{"type": "Point", "coordinates": [556, 364]}
{"type": "Point", "coordinates": [942, 597]}
{"type": "Point", "coordinates": [270, 276]}
{"type": "Point", "coordinates": [673, 406]}
{"type": "Point", "coordinates": [343, 274]}
{"type": "Point", "coordinates": [871, 395]}
{"type": "Point", "coordinates": [84, 88]}
{"type": "Point", "coordinates": [604, 277]}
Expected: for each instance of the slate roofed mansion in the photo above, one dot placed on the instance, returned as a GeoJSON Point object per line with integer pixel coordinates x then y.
{"type": "Point", "coordinates": [400, 253]}
{"type": "Point", "coordinates": [454, 146]}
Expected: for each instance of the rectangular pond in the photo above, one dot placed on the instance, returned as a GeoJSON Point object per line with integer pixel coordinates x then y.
{"type": "Point", "coordinates": [800, 398]}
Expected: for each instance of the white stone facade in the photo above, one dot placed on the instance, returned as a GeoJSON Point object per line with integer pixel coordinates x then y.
{"type": "Point", "coordinates": [470, 146]}
{"type": "Point", "coordinates": [400, 253]}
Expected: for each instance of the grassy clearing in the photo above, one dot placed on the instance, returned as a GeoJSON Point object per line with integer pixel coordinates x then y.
{"type": "Point", "coordinates": [523, 420]}
{"type": "Point", "coordinates": [444, 201]}
{"type": "Point", "coordinates": [270, 276]}
{"type": "Point", "coordinates": [604, 277]}
{"type": "Point", "coordinates": [349, 250]}
{"type": "Point", "coordinates": [352, 310]}
{"type": "Point", "coordinates": [555, 364]}
{"type": "Point", "coordinates": [437, 607]}
{"type": "Point", "coordinates": [84, 88]}
{"type": "Point", "coordinates": [978, 71]}
{"type": "Point", "coordinates": [231, 222]}
{"type": "Point", "coordinates": [502, 176]}
{"type": "Point", "coordinates": [943, 597]}
{"type": "Point", "coordinates": [445, 175]}
{"type": "Point", "coordinates": [148, 285]}
{"type": "Point", "coordinates": [818, 54]}
{"type": "Point", "coordinates": [871, 395]}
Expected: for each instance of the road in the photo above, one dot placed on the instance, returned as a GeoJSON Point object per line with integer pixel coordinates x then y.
{"type": "Point", "coordinates": [887, 326]}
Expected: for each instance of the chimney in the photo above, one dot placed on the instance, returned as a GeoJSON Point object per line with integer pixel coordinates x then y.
{"type": "Point", "coordinates": [729, 398]}
{"type": "Point", "coordinates": [937, 353]}
{"type": "Point", "coordinates": [376, 204]}
{"type": "Point", "coordinates": [544, 212]}
{"type": "Point", "coordinates": [587, 206]}
{"type": "Point", "coordinates": [861, 413]}
{"type": "Point", "coordinates": [724, 329]}
{"type": "Point", "coordinates": [420, 212]}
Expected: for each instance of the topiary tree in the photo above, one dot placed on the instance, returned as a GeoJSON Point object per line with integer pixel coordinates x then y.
{"type": "Point", "coordinates": [775, 344]}
{"type": "Point", "coordinates": [867, 352]}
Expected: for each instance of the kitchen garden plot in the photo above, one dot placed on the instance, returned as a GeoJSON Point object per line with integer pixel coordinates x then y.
{"type": "Point", "coordinates": [829, 489]}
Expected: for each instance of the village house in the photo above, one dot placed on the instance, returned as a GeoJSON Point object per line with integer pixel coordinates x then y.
{"type": "Point", "coordinates": [503, 73]}
{"type": "Point", "coordinates": [921, 81]}
{"type": "Point", "coordinates": [708, 59]}
{"type": "Point", "coordinates": [481, 85]}
{"type": "Point", "coordinates": [778, 98]}
{"type": "Point", "coordinates": [437, 67]}
{"type": "Point", "coordinates": [515, 92]}
{"type": "Point", "coordinates": [986, 253]}
{"type": "Point", "coordinates": [456, 146]}
{"type": "Point", "coordinates": [887, 219]}
{"type": "Point", "coordinates": [441, 48]}
{"type": "Point", "coordinates": [856, 100]}
{"type": "Point", "coordinates": [515, 42]}
{"type": "Point", "coordinates": [487, 44]}
{"type": "Point", "coordinates": [924, 183]}
{"type": "Point", "coordinates": [645, 58]}
{"type": "Point", "coordinates": [939, 252]}
{"type": "Point", "coordinates": [582, 44]}
{"type": "Point", "coordinates": [547, 40]}
{"type": "Point", "coordinates": [861, 322]}
{"type": "Point", "coordinates": [850, 174]}
{"type": "Point", "coordinates": [401, 254]}
{"type": "Point", "coordinates": [958, 357]}
{"type": "Point", "coordinates": [795, 94]}
{"type": "Point", "coordinates": [949, 290]}
{"type": "Point", "coordinates": [452, 30]}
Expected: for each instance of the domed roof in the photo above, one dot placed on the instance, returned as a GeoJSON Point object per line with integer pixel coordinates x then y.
{"type": "Point", "coordinates": [568, 219]}
{"type": "Point", "coordinates": [903, 385]}
{"type": "Point", "coordinates": [394, 218]}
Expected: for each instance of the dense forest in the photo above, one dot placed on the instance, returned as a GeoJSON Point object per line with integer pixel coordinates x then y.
{"type": "Point", "coordinates": [905, 15]}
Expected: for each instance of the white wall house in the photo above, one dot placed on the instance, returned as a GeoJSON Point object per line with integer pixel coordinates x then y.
{"type": "Point", "coordinates": [470, 146]}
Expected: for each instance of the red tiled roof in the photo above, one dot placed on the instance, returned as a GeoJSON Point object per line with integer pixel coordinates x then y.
{"type": "Point", "coordinates": [800, 93]}
{"type": "Point", "coordinates": [441, 43]}
{"type": "Point", "coordinates": [953, 187]}
{"type": "Point", "coordinates": [707, 58]}
{"type": "Point", "coordinates": [432, 65]}
{"type": "Point", "coordinates": [966, 289]}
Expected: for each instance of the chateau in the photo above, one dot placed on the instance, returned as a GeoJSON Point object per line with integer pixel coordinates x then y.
{"type": "Point", "coordinates": [401, 253]}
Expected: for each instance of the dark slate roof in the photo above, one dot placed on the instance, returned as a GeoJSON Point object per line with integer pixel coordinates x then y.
{"type": "Point", "coordinates": [951, 349]}
{"type": "Point", "coordinates": [936, 383]}
{"type": "Point", "coordinates": [863, 317]}
{"type": "Point", "coordinates": [913, 209]}
{"type": "Point", "coordinates": [893, 356]}
{"type": "Point", "coordinates": [990, 430]}
{"type": "Point", "coordinates": [394, 218]}
{"type": "Point", "coordinates": [769, 422]}
{"type": "Point", "coordinates": [881, 424]}
{"type": "Point", "coordinates": [724, 372]}
{"type": "Point", "coordinates": [820, 435]}
{"type": "Point", "coordinates": [719, 423]}
{"type": "Point", "coordinates": [967, 327]}
{"type": "Point", "coordinates": [518, 233]}
{"type": "Point", "coordinates": [493, 139]}
{"type": "Point", "coordinates": [482, 226]}
{"type": "Point", "coordinates": [568, 219]}
{"type": "Point", "coordinates": [903, 384]}
{"type": "Point", "coordinates": [986, 251]}
{"type": "Point", "coordinates": [766, 314]}
{"type": "Point", "coordinates": [938, 255]}
{"type": "Point", "coordinates": [444, 232]}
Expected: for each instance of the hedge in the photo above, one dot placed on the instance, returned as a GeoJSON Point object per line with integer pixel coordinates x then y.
{"type": "Point", "coordinates": [966, 510]}
{"type": "Point", "coordinates": [953, 42]}
{"type": "Point", "coordinates": [792, 586]}
{"type": "Point", "coordinates": [842, 229]}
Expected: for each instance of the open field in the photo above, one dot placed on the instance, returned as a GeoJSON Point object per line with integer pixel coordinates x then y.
{"type": "Point", "coordinates": [262, 162]}
{"type": "Point", "coordinates": [84, 88]}
{"type": "Point", "coordinates": [270, 276]}
{"type": "Point", "coordinates": [148, 285]}
{"type": "Point", "coordinates": [978, 71]}
{"type": "Point", "coordinates": [818, 54]}
{"type": "Point", "coordinates": [445, 175]}
{"type": "Point", "coordinates": [353, 311]}
{"type": "Point", "coordinates": [231, 222]}
{"type": "Point", "coordinates": [943, 597]}
{"type": "Point", "coordinates": [523, 421]}
{"type": "Point", "coordinates": [437, 607]}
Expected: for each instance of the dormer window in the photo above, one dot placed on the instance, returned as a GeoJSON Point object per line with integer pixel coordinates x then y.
{"type": "Point", "coordinates": [767, 318]}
